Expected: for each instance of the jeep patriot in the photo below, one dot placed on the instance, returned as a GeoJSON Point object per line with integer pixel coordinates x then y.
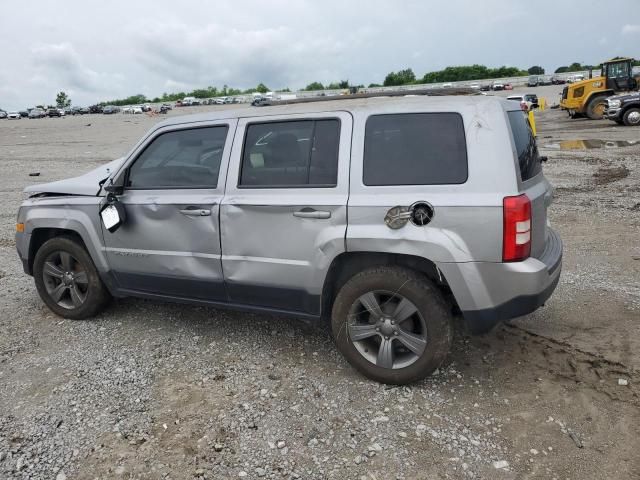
{"type": "Point", "coordinates": [385, 216]}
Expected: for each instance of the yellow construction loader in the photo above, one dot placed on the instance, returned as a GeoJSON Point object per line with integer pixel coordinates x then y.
{"type": "Point", "coordinates": [589, 97]}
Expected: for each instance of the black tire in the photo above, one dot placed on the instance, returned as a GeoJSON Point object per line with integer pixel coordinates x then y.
{"type": "Point", "coordinates": [631, 117]}
{"type": "Point", "coordinates": [431, 307]}
{"type": "Point", "coordinates": [595, 107]}
{"type": "Point", "coordinates": [95, 295]}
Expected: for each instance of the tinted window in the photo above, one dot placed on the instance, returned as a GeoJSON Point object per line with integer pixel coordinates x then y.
{"type": "Point", "coordinates": [415, 149]}
{"type": "Point", "coordinates": [181, 159]}
{"type": "Point", "coordinates": [288, 154]}
{"type": "Point", "coordinates": [526, 148]}
{"type": "Point", "coordinates": [618, 70]}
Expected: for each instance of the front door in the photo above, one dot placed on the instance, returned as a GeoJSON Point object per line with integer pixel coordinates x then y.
{"type": "Point", "coordinates": [169, 244]}
{"type": "Point", "coordinates": [283, 218]}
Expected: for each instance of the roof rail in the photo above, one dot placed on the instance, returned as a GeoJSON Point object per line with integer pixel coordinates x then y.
{"type": "Point", "coordinates": [434, 92]}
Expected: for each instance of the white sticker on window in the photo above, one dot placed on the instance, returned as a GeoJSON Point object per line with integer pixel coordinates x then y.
{"type": "Point", "coordinates": [110, 216]}
{"type": "Point", "coordinates": [257, 160]}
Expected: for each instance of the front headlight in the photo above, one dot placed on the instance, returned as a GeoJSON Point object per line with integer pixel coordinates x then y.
{"type": "Point", "coordinates": [614, 103]}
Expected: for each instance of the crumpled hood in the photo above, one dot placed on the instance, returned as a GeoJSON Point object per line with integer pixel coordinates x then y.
{"type": "Point", "coordinates": [87, 184]}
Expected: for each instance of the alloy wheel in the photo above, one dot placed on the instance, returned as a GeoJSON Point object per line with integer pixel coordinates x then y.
{"type": "Point", "coordinates": [387, 329]}
{"type": "Point", "coordinates": [65, 280]}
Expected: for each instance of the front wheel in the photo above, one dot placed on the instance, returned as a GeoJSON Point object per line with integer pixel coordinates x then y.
{"type": "Point", "coordinates": [631, 117]}
{"type": "Point", "coordinates": [67, 280]}
{"type": "Point", "coordinates": [392, 325]}
{"type": "Point", "coordinates": [596, 108]}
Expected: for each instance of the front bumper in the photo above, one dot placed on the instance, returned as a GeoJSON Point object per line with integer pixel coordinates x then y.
{"type": "Point", "coordinates": [488, 293]}
{"type": "Point", "coordinates": [613, 113]}
{"type": "Point", "coordinates": [22, 246]}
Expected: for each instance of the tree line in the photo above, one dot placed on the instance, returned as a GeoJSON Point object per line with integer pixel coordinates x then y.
{"type": "Point", "coordinates": [208, 92]}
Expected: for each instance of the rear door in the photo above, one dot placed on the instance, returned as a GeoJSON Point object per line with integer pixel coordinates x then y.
{"type": "Point", "coordinates": [532, 182]}
{"type": "Point", "coordinates": [170, 242]}
{"type": "Point", "coordinates": [284, 217]}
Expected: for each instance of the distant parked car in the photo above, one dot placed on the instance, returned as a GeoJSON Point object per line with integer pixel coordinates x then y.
{"type": "Point", "coordinates": [109, 110]}
{"type": "Point", "coordinates": [136, 109]}
{"type": "Point", "coordinates": [62, 112]}
{"type": "Point", "coordinates": [497, 86]}
{"type": "Point", "coordinates": [37, 113]}
{"type": "Point", "coordinates": [575, 78]}
{"type": "Point", "coordinates": [3, 114]}
{"type": "Point", "coordinates": [508, 86]}
{"type": "Point", "coordinates": [146, 107]}
{"type": "Point", "coordinates": [95, 109]}
{"type": "Point", "coordinates": [13, 115]}
{"type": "Point", "coordinates": [533, 81]}
{"type": "Point", "coordinates": [166, 106]}
{"type": "Point", "coordinates": [261, 102]}
{"type": "Point", "coordinates": [53, 112]}
{"type": "Point", "coordinates": [527, 102]}
{"type": "Point", "coordinates": [556, 80]}
{"type": "Point", "coordinates": [24, 113]}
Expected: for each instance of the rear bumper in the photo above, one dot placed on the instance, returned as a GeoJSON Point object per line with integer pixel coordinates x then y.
{"type": "Point", "coordinates": [488, 293]}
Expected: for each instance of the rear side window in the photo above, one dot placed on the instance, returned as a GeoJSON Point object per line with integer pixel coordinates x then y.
{"type": "Point", "coordinates": [291, 154]}
{"type": "Point", "coordinates": [187, 158]}
{"type": "Point", "coordinates": [415, 149]}
{"type": "Point", "coordinates": [526, 148]}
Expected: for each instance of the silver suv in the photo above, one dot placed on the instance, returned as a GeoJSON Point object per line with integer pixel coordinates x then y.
{"type": "Point", "coordinates": [385, 215]}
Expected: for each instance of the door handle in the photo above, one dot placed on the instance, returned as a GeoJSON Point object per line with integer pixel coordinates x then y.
{"type": "Point", "coordinates": [196, 212]}
{"type": "Point", "coordinates": [312, 213]}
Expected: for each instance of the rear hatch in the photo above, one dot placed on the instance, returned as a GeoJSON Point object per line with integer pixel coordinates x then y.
{"type": "Point", "coordinates": [533, 183]}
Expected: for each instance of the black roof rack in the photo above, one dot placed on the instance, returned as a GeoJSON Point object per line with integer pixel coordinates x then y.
{"type": "Point", "coordinates": [434, 92]}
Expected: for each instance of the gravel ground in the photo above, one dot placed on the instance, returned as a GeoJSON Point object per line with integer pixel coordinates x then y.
{"type": "Point", "coordinates": [151, 390]}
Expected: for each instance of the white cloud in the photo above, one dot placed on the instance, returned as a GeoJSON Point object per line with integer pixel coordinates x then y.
{"type": "Point", "coordinates": [61, 63]}
{"type": "Point", "coordinates": [630, 29]}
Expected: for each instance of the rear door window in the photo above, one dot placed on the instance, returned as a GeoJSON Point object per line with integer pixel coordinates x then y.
{"type": "Point", "coordinates": [526, 148]}
{"type": "Point", "coordinates": [415, 149]}
{"type": "Point", "coordinates": [291, 154]}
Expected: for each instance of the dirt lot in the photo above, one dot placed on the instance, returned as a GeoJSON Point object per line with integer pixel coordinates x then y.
{"type": "Point", "coordinates": [166, 391]}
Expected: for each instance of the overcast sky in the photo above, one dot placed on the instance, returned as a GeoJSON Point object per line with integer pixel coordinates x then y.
{"type": "Point", "coordinates": [100, 50]}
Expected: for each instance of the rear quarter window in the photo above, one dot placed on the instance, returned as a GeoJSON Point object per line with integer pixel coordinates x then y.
{"type": "Point", "coordinates": [415, 149]}
{"type": "Point", "coordinates": [525, 143]}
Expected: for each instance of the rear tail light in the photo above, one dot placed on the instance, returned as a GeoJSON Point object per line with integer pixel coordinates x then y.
{"type": "Point", "coordinates": [516, 233]}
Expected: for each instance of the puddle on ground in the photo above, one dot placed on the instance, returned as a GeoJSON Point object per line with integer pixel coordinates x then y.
{"type": "Point", "coordinates": [590, 144]}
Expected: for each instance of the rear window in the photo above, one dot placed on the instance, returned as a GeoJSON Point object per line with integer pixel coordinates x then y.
{"type": "Point", "coordinates": [526, 148]}
{"type": "Point", "coordinates": [415, 149]}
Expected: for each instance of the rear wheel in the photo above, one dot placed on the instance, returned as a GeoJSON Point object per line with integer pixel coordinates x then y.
{"type": "Point", "coordinates": [596, 107]}
{"type": "Point", "coordinates": [631, 117]}
{"type": "Point", "coordinates": [67, 281]}
{"type": "Point", "coordinates": [392, 325]}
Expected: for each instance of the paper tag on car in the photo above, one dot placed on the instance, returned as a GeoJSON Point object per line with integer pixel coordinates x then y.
{"type": "Point", "coordinates": [110, 217]}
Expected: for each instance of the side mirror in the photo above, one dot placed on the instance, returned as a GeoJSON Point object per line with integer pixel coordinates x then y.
{"type": "Point", "coordinates": [112, 213]}
{"type": "Point", "coordinates": [113, 189]}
